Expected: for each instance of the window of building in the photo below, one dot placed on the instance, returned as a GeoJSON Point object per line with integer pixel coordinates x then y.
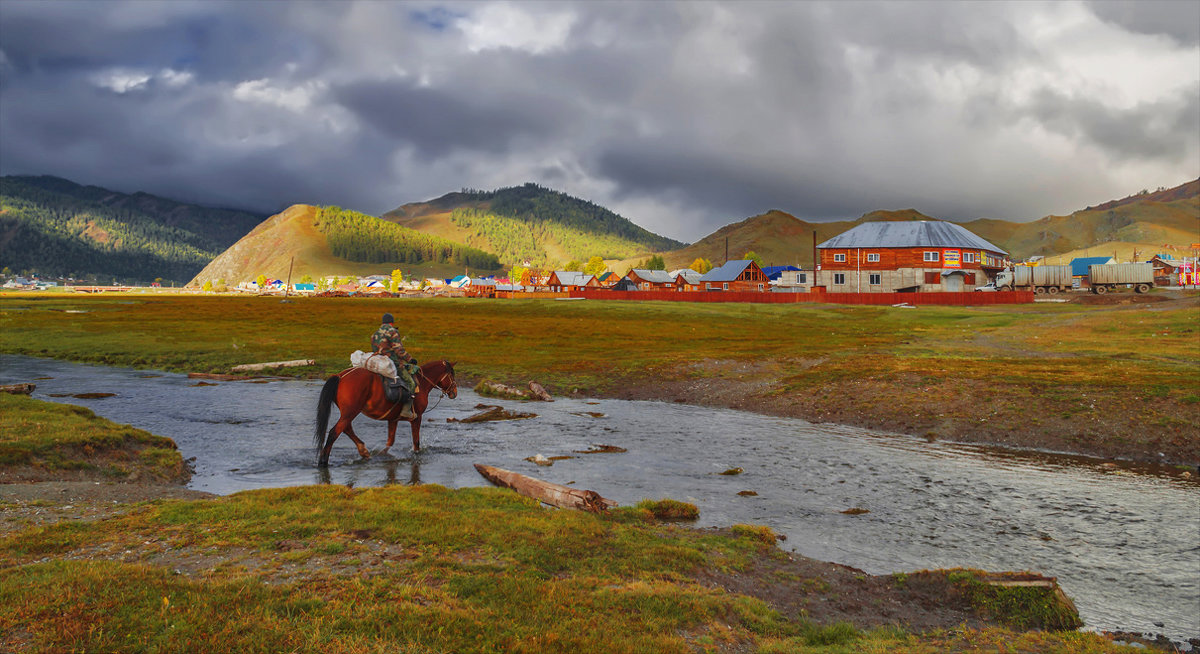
{"type": "Point", "coordinates": [875, 279]}
{"type": "Point", "coordinates": [839, 257]}
{"type": "Point", "coordinates": [801, 278]}
{"type": "Point", "coordinates": [724, 286]}
{"type": "Point", "coordinates": [968, 257]}
{"type": "Point", "coordinates": [969, 279]}
{"type": "Point", "coordinates": [872, 256]}
{"type": "Point", "coordinates": [839, 279]}
{"type": "Point", "coordinates": [932, 256]}
{"type": "Point", "coordinates": [760, 287]}
{"type": "Point", "coordinates": [933, 277]}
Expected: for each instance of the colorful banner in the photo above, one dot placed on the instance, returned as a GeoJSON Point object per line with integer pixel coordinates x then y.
{"type": "Point", "coordinates": [950, 259]}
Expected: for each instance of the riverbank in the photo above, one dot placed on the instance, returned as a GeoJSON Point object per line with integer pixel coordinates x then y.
{"type": "Point", "coordinates": [1112, 380]}
{"type": "Point", "coordinates": [102, 565]}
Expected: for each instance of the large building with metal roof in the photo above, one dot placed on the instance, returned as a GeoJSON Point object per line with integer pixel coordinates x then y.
{"type": "Point", "coordinates": [916, 255]}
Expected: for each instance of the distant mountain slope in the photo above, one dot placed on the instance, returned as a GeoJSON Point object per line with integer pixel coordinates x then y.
{"type": "Point", "coordinates": [333, 241]}
{"type": "Point", "coordinates": [1165, 218]}
{"type": "Point", "coordinates": [57, 227]}
{"type": "Point", "coordinates": [778, 237]}
{"type": "Point", "coordinates": [531, 223]}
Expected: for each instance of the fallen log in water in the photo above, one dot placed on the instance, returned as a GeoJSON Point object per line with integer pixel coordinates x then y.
{"type": "Point", "coordinates": [217, 377]}
{"type": "Point", "coordinates": [273, 364]}
{"type": "Point", "coordinates": [563, 497]}
{"type": "Point", "coordinates": [19, 389]}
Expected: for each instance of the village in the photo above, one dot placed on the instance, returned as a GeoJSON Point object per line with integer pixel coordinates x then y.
{"type": "Point", "coordinates": [874, 262]}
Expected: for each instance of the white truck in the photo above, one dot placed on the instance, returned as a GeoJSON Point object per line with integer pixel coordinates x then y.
{"type": "Point", "coordinates": [1105, 277]}
{"type": "Point", "coordinates": [1039, 279]}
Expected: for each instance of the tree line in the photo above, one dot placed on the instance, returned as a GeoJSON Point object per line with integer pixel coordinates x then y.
{"type": "Point", "coordinates": [358, 237]}
{"type": "Point", "coordinates": [518, 241]}
{"type": "Point", "coordinates": [532, 203]}
{"type": "Point", "coordinates": [53, 232]}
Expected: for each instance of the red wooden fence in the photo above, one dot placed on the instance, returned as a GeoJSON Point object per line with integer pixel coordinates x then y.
{"type": "Point", "coordinates": [954, 299]}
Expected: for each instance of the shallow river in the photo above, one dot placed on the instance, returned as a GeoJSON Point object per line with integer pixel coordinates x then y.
{"type": "Point", "coordinates": [1125, 544]}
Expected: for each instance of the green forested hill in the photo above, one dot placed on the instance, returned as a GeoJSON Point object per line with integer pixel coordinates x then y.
{"type": "Point", "coordinates": [531, 223]}
{"type": "Point", "coordinates": [358, 237]}
{"type": "Point", "coordinates": [53, 226]}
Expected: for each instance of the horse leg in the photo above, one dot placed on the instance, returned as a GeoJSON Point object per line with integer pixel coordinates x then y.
{"type": "Point", "coordinates": [362, 449]}
{"type": "Point", "coordinates": [391, 436]}
{"type": "Point", "coordinates": [416, 434]}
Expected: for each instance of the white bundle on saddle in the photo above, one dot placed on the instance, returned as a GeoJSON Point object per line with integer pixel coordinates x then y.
{"type": "Point", "coordinates": [376, 363]}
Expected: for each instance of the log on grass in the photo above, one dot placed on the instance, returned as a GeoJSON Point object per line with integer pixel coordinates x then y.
{"type": "Point", "coordinates": [563, 497]}
{"type": "Point", "coordinates": [539, 392]}
{"type": "Point", "coordinates": [19, 389]}
{"type": "Point", "coordinates": [273, 364]}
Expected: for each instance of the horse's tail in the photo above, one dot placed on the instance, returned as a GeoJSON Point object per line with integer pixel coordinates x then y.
{"type": "Point", "coordinates": [324, 406]}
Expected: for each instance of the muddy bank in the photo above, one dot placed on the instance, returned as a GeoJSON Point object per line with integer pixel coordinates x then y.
{"type": "Point", "coordinates": [963, 410]}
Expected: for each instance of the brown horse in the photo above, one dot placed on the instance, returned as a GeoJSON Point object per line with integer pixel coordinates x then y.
{"type": "Point", "coordinates": [357, 390]}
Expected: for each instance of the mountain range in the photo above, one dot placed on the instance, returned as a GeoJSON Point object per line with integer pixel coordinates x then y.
{"type": "Point", "coordinates": [58, 227]}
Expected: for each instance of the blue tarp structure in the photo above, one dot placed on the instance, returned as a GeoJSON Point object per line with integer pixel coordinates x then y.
{"type": "Point", "coordinates": [1079, 267]}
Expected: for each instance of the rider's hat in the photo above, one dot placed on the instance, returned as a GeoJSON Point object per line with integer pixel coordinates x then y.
{"type": "Point", "coordinates": [387, 317]}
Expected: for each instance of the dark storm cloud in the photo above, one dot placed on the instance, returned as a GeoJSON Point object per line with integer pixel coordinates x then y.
{"type": "Point", "coordinates": [437, 122]}
{"type": "Point", "coordinates": [684, 116]}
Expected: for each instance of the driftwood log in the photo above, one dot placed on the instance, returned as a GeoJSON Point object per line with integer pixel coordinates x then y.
{"type": "Point", "coordinates": [273, 364]}
{"type": "Point", "coordinates": [488, 387]}
{"type": "Point", "coordinates": [18, 389]}
{"type": "Point", "coordinates": [563, 497]}
{"type": "Point", "coordinates": [537, 392]}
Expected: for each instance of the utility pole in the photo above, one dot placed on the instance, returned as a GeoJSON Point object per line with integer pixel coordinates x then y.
{"type": "Point", "coordinates": [288, 285]}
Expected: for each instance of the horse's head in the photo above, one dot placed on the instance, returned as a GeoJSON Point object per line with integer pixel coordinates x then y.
{"type": "Point", "coordinates": [443, 378]}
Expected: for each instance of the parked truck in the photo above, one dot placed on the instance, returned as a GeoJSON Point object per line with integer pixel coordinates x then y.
{"type": "Point", "coordinates": [1039, 279]}
{"type": "Point", "coordinates": [1111, 276]}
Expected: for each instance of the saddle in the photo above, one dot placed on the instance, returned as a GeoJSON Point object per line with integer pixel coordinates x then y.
{"type": "Point", "coordinates": [395, 391]}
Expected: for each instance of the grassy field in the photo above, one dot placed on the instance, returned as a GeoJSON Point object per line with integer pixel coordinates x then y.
{"type": "Point", "coordinates": [415, 569]}
{"type": "Point", "coordinates": [1116, 381]}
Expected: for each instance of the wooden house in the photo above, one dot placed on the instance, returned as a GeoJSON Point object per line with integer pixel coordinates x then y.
{"type": "Point", "coordinates": [1166, 271]}
{"type": "Point", "coordinates": [569, 280]}
{"type": "Point", "coordinates": [737, 275]}
{"type": "Point", "coordinates": [686, 279]}
{"type": "Point", "coordinates": [651, 280]}
{"type": "Point", "coordinates": [915, 255]}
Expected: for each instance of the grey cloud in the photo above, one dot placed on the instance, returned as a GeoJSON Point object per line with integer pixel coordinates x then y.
{"type": "Point", "coordinates": [1178, 19]}
{"type": "Point", "coordinates": [1146, 131]}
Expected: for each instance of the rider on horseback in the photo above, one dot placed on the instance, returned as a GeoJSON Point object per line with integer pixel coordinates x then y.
{"type": "Point", "coordinates": [386, 340]}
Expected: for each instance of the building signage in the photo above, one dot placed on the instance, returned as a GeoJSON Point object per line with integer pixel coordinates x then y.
{"type": "Point", "coordinates": [950, 259]}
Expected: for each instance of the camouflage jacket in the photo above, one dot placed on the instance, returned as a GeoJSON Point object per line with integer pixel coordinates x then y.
{"type": "Point", "coordinates": [386, 340]}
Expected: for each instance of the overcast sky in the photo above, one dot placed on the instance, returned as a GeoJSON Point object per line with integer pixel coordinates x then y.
{"type": "Point", "coordinates": [680, 116]}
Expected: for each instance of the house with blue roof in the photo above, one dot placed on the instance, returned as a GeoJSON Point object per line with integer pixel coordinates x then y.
{"type": "Point", "coordinates": [737, 275]}
{"type": "Point", "coordinates": [773, 273]}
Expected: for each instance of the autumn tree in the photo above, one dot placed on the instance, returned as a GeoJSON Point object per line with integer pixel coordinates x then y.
{"type": "Point", "coordinates": [595, 266]}
{"type": "Point", "coordinates": [654, 263]}
{"type": "Point", "coordinates": [574, 266]}
{"type": "Point", "coordinates": [517, 274]}
{"type": "Point", "coordinates": [701, 265]}
{"type": "Point", "coordinates": [261, 280]}
{"type": "Point", "coordinates": [208, 286]}
{"type": "Point", "coordinates": [753, 256]}
{"type": "Point", "coordinates": [306, 279]}
{"type": "Point", "coordinates": [397, 279]}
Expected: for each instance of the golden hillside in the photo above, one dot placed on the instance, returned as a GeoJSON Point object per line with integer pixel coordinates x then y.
{"type": "Point", "coordinates": [271, 246]}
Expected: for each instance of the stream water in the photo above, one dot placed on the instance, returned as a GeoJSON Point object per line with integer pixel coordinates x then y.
{"type": "Point", "coordinates": [1124, 542]}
